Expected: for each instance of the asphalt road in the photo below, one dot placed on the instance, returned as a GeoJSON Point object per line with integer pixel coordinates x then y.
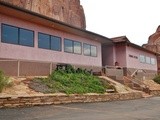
{"type": "Point", "coordinates": [141, 109]}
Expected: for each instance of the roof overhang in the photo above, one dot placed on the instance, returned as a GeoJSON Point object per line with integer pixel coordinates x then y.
{"type": "Point", "coordinates": [24, 14]}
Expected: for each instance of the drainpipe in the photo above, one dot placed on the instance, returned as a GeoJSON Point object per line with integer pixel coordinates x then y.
{"type": "Point", "coordinates": [18, 69]}
{"type": "Point", "coordinates": [50, 68]}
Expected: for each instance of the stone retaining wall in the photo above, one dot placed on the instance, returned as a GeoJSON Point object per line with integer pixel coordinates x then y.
{"type": "Point", "coordinates": [23, 101]}
{"type": "Point", "coordinates": [155, 92]}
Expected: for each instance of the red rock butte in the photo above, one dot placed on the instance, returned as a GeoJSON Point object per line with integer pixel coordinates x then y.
{"type": "Point", "coordinates": [67, 11]}
{"type": "Point", "coordinates": [154, 44]}
{"type": "Point", "coordinates": [154, 41]}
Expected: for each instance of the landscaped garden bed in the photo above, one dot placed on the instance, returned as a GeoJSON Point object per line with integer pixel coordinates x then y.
{"type": "Point", "coordinates": [71, 81]}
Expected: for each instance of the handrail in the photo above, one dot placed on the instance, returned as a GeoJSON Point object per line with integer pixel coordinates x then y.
{"type": "Point", "coordinates": [132, 75]}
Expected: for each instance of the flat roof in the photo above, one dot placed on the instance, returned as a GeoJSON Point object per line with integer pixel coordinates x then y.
{"type": "Point", "coordinates": [21, 13]}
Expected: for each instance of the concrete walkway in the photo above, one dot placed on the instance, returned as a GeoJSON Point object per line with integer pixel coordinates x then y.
{"type": "Point", "coordinates": [119, 87]}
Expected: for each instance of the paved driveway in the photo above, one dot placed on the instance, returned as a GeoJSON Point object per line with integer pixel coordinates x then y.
{"type": "Point", "coordinates": [142, 109]}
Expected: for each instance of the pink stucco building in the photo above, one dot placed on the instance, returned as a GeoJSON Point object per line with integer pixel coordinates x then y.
{"type": "Point", "coordinates": [33, 44]}
{"type": "Point", "coordinates": [128, 55]}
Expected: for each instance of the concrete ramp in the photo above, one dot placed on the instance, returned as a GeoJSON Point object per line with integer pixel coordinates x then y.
{"type": "Point", "coordinates": [119, 87]}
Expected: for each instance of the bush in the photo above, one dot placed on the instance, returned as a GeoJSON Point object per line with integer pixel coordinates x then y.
{"type": "Point", "coordinates": [157, 79]}
{"type": "Point", "coordinates": [4, 81]}
{"type": "Point", "coordinates": [74, 81]}
{"type": "Point", "coordinates": [70, 83]}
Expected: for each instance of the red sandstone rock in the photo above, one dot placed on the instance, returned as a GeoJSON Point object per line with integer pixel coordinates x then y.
{"type": "Point", "coordinates": [154, 41]}
{"type": "Point", "coordinates": [154, 44]}
{"type": "Point", "coordinates": [68, 11]}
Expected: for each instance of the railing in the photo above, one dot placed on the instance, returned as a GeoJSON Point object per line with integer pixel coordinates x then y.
{"type": "Point", "coordinates": [138, 82]}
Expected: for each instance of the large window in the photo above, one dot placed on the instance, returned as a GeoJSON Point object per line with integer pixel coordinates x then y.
{"type": "Point", "coordinates": [89, 50]}
{"type": "Point", "coordinates": [46, 41]}
{"type": "Point", "coordinates": [15, 35]}
{"type": "Point", "coordinates": [72, 46]}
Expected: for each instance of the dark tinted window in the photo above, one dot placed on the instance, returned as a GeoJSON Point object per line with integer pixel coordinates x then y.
{"type": "Point", "coordinates": [87, 49]}
{"type": "Point", "coordinates": [43, 41]}
{"type": "Point", "coordinates": [68, 45]}
{"type": "Point", "coordinates": [26, 37]}
{"type": "Point", "coordinates": [56, 43]}
{"type": "Point", "coordinates": [9, 34]}
{"type": "Point", "coordinates": [77, 47]}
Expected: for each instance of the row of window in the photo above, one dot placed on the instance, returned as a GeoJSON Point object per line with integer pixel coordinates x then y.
{"type": "Point", "coordinates": [20, 36]}
{"type": "Point", "coordinates": [146, 59]}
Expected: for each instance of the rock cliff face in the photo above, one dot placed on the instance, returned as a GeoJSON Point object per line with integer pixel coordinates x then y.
{"type": "Point", "coordinates": [154, 45]}
{"type": "Point", "coordinates": [68, 11]}
{"type": "Point", "coordinates": [154, 41]}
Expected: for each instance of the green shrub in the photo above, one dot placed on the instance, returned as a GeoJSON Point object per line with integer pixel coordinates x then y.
{"type": "Point", "coordinates": [4, 81]}
{"type": "Point", "coordinates": [74, 81]}
{"type": "Point", "coordinates": [157, 79]}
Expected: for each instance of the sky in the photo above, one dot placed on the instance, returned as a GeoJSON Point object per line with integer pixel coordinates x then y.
{"type": "Point", "coordinates": [136, 19]}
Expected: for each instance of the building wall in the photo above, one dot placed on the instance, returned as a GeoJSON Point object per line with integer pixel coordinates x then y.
{"type": "Point", "coordinates": [132, 55]}
{"type": "Point", "coordinates": [108, 55]}
{"type": "Point", "coordinates": [120, 51]}
{"type": "Point", "coordinates": [12, 51]}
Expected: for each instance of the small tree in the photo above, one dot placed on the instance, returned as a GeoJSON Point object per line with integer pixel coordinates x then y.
{"type": "Point", "coordinates": [157, 79]}
{"type": "Point", "coordinates": [4, 81]}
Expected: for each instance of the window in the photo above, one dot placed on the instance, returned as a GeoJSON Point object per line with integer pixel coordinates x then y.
{"type": "Point", "coordinates": [72, 46]}
{"type": "Point", "coordinates": [68, 46]}
{"type": "Point", "coordinates": [43, 41]}
{"type": "Point", "coordinates": [90, 50]}
{"type": "Point", "coordinates": [87, 49]}
{"type": "Point", "coordinates": [148, 60]}
{"type": "Point", "coordinates": [49, 42]}
{"type": "Point", "coordinates": [153, 61]}
{"type": "Point", "coordinates": [77, 48]}
{"type": "Point", "coordinates": [26, 37]}
{"type": "Point", "coordinates": [15, 35]}
{"type": "Point", "coordinates": [9, 34]}
{"type": "Point", "coordinates": [142, 59]}
{"type": "Point", "coordinates": [93, 51]}
{"type": "Point", "coordinates": [55, 43]}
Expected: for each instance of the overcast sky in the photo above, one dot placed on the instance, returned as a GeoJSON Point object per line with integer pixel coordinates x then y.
{"type": "Point", "coordinates": [137, 19]}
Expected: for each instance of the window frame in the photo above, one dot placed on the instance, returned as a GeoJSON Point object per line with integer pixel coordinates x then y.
{"type": "Point", "coordinates": [90, 46]}
{"type": "Point", "coordinates": [49, 41]}
{"type": "Point", "coordinates": [73, 46]}
{"type": "Point", "coordinates": [153, 63]}
{"type": "Point", "coordinates": [96, 51]}
{"type": "Point", "coordinates": [27, 30]}
{"type": "Point", "coordinates": [60, 42]}
{"type": "Point", "coordinates": [50, 36]}
{"type": "Point", "coordinates": [19, 28]}
{"type": "Point", "coordinates": [65, 39]}
{"type": "Point", "coordinates": [141, 60]}
{"type": "Point", "coordinates": [148, 58]}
